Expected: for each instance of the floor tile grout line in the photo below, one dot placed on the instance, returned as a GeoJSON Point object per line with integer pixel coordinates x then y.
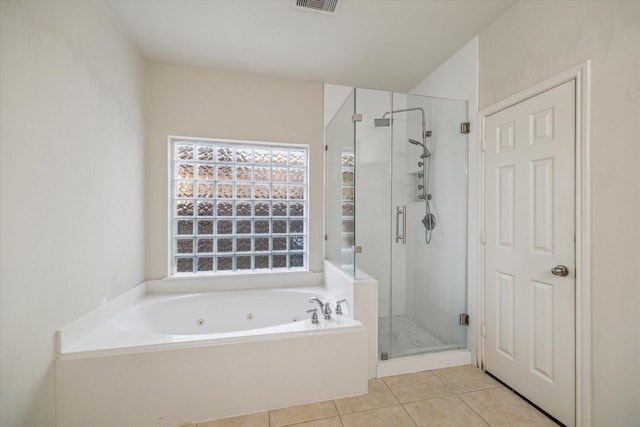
{"type": "Point", "coordinates": [409, 415]}
{"type": "Point", "coordinates": [371, 409]}
{"type": "Point", "coordinates": [479, 389]}
{"type": "Point", "coordinates": [473, 410]}
{"type": "Point", "coordinates": [384, 380]}
{"type": "Point", "coordinates": [311, 421]}
{"type": "Point", "coordinates": [431, 398]}
{"type": "Point", "coordinates": [335, 405]}
{"type": "Point", "coordinates": [308, 421]}
{"type": "Point", "coordinates": [378, 408]}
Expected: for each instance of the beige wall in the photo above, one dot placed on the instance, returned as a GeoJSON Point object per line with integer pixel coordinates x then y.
{"type": "Point", "coordinates": [531, 42]}
{"type": "Point", "coordinates": [71, 185]}
{"type": "Point", "coordinates": [212, 104]}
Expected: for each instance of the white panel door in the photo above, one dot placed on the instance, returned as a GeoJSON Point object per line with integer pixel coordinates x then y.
{"type": "Point", "coordinates": [529, 223]}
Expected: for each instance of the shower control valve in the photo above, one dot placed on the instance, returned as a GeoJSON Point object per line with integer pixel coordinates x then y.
{"type": "Point", "coordinates": [314, 316]}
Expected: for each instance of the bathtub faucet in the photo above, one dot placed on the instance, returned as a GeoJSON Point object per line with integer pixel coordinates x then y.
{"type": "Point", "coordinates": [326, 310]}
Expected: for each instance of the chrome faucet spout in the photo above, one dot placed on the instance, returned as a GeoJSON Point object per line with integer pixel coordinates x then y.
{"type": "Point", "coordinates": [316, 299]}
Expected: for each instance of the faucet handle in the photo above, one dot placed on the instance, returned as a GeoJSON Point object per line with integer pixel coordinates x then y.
{"type": "Point", "coordinates": [314, 316]}
{"type": "Point", "coordinates": [326, 310]}
{"type": "Point", "coordinates": [338, 307]}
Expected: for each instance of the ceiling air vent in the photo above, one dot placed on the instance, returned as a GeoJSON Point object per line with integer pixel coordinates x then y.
{"type": "Point", "coordinates": [328, 7]}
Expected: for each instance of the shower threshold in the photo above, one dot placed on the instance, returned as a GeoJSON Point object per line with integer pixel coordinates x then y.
{"type": "Point", "coordinates": [415, 348]}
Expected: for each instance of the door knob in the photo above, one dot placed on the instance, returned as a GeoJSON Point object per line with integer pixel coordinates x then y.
{"type": "Point", "coordinates": [560, 270]}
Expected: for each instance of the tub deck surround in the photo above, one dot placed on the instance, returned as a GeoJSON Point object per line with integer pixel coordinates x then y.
{"type": "Point", "coordinates": [160, 359]}
{"type": "Point", "coordinates": [177, 385]}
{"type": "Point", "coordinates": [233, 282]}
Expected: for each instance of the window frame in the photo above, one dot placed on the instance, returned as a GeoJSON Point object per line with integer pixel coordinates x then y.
{"type": "Point", "coordinates": [173, 217]}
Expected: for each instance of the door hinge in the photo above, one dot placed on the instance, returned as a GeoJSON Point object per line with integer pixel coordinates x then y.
{"type": "Point", "coordinates": [464, 319]}
{"type": "Point", "coordinates": [483, 330]}
{"type": "Point", "coordinates": [465, 127]}
{"type": "Point", "coordinates": [483, 145]}
{"type": "Point", "coordinates": [483, 237]}
{"type": "Point", "coordinates": [356, 117]}
{"type": "Point", "coordinates": [326, 147]}
{"type": "Point", "coordinates": [326, 237]}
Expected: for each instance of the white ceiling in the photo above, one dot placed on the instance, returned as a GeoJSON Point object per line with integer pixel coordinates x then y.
{"type": "Point", "coordinates": [379, 44]}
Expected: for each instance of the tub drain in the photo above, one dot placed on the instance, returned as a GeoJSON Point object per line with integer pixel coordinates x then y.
{"type": "Point", "coordinates": [200, 322]}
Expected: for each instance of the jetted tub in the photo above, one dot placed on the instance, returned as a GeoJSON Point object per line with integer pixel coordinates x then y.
{"type": "Point", "coordinates": [168, 359]}
{"type": "Point", "coordinates": [160, 319]}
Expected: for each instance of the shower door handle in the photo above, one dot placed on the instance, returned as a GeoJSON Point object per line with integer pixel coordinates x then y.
{"type": "Point", "coordinates": [402, 236]}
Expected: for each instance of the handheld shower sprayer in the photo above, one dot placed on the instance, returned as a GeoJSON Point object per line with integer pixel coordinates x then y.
{"type": "Point", "coordinates": [426, 153]}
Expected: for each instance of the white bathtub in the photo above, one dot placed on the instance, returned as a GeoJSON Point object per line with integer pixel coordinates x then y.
{"type": "Point", "coordinates": [164, 360]}
{"type": "Point", "coordinates": [158, 319]}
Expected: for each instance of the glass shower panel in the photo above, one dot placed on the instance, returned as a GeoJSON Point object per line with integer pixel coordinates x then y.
{"type": "Point", "coordinates": [340, 187]}
{"type": "Point", "coordinates": [373, 196]}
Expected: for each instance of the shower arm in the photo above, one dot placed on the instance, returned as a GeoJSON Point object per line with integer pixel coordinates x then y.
{"type": "Point", "coordinates": [425, 134]}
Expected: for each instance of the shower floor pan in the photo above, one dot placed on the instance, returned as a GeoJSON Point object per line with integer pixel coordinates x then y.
{"type": "Point", "coordinates": [409, 337]}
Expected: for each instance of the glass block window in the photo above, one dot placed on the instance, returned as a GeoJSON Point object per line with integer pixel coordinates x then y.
{"type": "Point", "coordinates": [348, 206]}
{"type": "Point", "coordinates": [238, 206]}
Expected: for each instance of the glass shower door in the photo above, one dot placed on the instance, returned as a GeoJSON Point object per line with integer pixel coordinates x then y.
{"type": "Point", "coordinates": [429, 208]}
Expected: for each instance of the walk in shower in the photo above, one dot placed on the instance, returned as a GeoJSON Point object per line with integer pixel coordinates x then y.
{"type": "Point", "coordinates": [396, 183]}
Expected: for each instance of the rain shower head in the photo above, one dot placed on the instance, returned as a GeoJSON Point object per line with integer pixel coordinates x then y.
{"type": "Point", "coordinates": [424, 148]}
{"type": "Point", "coordinates": [382, 123]}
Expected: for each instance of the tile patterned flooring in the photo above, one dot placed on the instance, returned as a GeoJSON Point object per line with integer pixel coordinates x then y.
{"type": "Point", "coordinates": [459, 396]}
